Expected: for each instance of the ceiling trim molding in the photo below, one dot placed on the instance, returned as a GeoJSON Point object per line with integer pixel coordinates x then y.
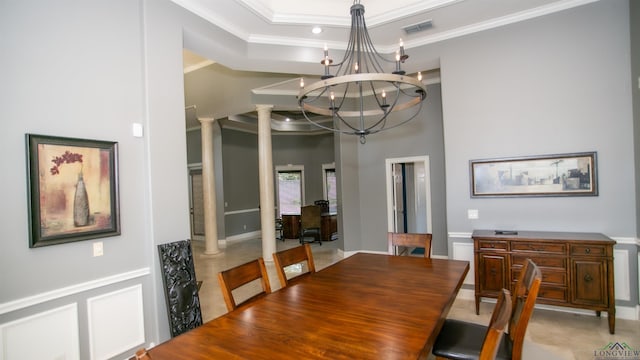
{"type": "Point", "coordinates": [214, 19]}
{"type": "Point", "coordinates": [290, 18]}
{"type": "Point", "coordinates": [498, 22]}
{"type": "Point", "coordinates": [197, 66]}
{"type": "Point", "coordinates": [416, 8]}
{"type": "Point", "coordinates": [445, 35]}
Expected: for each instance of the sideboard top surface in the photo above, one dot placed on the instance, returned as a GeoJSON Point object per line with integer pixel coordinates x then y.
{"type": "Point", "coordinates": [544, 235]}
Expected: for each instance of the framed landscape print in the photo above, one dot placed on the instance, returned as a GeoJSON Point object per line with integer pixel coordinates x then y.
{"type": "Point", "coordinates": [572, 174]}
{"type": "Point", "coordinates": [73, 189]}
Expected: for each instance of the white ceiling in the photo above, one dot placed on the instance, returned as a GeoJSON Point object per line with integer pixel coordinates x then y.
{"type": "Point", "coordinates": [289, 22]}
{"type": "Point", "coordinates": [275, 35]}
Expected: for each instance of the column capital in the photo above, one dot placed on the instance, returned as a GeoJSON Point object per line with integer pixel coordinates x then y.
{"type": "Point", "coordinates": [207, 120]}
{"type": "Point", "coordinates": [262, 107]}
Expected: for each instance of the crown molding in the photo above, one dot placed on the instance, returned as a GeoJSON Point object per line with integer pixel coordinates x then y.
{"type": "Point", "coordinates": [257, 7]}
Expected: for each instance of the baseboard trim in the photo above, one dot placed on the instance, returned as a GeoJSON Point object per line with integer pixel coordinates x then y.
{"type": "Point", "coordinates": [71, 290]}
{"type": "Point", "coordinates": [622, 312]}
{"type": "Point", "coordinates": [244, 236]}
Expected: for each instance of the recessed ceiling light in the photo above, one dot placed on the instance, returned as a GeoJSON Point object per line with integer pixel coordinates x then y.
{"type": "Point", "coordinates": [316, 30]}
{"type": "Point", "coordinates": [287, 119]}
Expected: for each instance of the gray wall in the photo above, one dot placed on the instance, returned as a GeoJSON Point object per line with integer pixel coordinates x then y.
{"type": "Point", "coordinates": [635, 86]}
{"type": "Point", "coordinates": [240, 171]}
{"type": "Point", "coordinates": [77, 72]}
{"type": "Point", "coordinates": [421, 136]}
{"type": "Point", "coordinates": [559, 83]}
{"type": "Point", "coordinates": [310, 151]}
{"type": "Point", "coordinates": [541, 102]}
{"type": "Point", "coordinates": [514, 91]}
{"type": "Point", "coordinates": [526, 93]}
{"type": "Point", "coordinates": [634, 17]}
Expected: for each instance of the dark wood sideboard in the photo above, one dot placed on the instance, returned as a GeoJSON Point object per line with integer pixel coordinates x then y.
{"type": "Point", "coordinates": [291, 226]}
{"type": "Point", "coordinates": [577, 268]}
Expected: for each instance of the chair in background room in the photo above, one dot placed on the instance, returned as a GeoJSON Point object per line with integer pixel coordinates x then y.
{"type": "Point", "coordinates": [240, 275]}
{"type": "Point", "coordinates": [279, 229]}
{"type": "Point", "coordinates": [296, 255]}
{"type": "Point", "coordinates": [409, 240]}
{"type": "Point", "coordinates": [463, 340]}
{"type": "Point", "coordinates": [180, 286]}
{"type": "Point", "coordinates": [324, 206]}
{"type": "Point", "coordinates": [310, 223]}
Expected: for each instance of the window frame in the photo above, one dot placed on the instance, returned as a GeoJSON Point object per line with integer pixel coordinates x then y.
{"type": "Point", "coordinates": [289, 168]}
{"type": "Point", "coordinates": [325, 169]}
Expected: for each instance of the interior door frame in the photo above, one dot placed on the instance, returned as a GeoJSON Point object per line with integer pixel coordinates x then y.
{"type": "Point", "coordinates": [427, 190]}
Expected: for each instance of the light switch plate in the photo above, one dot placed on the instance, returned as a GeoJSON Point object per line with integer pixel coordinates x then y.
{"type": "Point", "coordinates": [137, 130]}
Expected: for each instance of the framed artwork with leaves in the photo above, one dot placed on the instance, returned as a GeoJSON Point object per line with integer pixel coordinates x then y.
{"type": "Point", "coordinates": [72, 189]}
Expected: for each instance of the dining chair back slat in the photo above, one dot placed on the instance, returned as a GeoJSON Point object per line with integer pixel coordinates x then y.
{"type": "Point", "coordinates": [288, 257]}
{"type": "Point", "coordinates": [524, 299]}
{"type": "Point", "coordinates": [240, 275]}
{"type": "Point", "coordinates": [409, 240]}
{"type": "Point", "coordinates": [497, 324]}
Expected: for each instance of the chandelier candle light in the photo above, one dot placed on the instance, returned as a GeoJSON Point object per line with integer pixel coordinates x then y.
{"type": "Point", "coordinates": [361, 95]}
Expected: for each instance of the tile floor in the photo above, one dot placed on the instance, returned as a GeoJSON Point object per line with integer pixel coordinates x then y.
{"type": "Point", "coordinates": [551, 335]}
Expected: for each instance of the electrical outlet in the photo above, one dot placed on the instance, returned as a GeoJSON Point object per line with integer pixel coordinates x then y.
{"type": "Point", "coordinates": [98, 249]}
{"type": "Point", "coordinates": [472, 214]}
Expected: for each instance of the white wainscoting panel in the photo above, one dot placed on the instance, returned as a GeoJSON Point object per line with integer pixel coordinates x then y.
{"type": "Point", "coordinates": [464, 251]}
{"type": "Point", "coordinates": [621, 275]}
{"type": "Point", "coordinates": [116, 322]}
{"type": "Point", "coordinates": [52, 334]}
{"type": "Point", "coordinates": [70, 290]}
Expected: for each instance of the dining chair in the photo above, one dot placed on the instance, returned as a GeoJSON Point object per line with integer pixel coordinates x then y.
{"type": "Point", "coordinates": [279, 229]}
{"type": "Point", "coordinates": [180, 286]}
{"type": "Point", "coordinates": [463, 340]}
{"type": "Point", "coordinates": [497, 325]}
{"type": "Point", "coordinates": [310, 224]}
{"type": "Point", "coordinates": [486, 340]}
{"type": "Point", "coordinates": [141, 354]}
{"type": "Point", "coordinates": [409, 240]}
{"type": "Point", "coordinates": [523, 299]}
{"type": "Point", "coordinates": [240, 275]}
{"type": "Point", "coordinates": [296, 255]}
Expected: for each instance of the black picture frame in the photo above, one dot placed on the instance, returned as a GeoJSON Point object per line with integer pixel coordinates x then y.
{"type": "Point", "coordinates": [572, 174]}
{"type": "Point", "coordinates": [72, 189]}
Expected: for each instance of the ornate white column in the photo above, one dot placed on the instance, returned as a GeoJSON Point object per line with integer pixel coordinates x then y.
{"type": "Point", "coordinates": [209, 187]}
{"type": "Point", "coordinates": [265, 171]}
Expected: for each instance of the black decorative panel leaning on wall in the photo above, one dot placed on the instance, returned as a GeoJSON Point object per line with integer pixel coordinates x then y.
{"type": "Point", "coordinates": [180, 286]}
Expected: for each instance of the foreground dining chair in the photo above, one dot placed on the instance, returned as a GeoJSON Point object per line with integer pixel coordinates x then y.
{"type": "Point", "coordinates": [497, 324]}
{"type": "Point", "coordinates": [463, 340]}
{"type": "Point", "coordinates": [409, 240]}
{"type": "Point", "coordinates": [141, 354]}
{"type": "Point", "coordinates": [240, 275]}
{"type": "Point", "coordinates": [296, 255]}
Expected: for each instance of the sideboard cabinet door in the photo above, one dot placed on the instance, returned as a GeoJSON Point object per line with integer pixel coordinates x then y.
{"type": "Point", "coordinates": [589, 282]}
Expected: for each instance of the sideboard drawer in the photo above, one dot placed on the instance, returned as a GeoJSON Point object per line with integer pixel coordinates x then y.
{"type": "Point", "coordinates": [538, 247]}
{"type": "Point", "coordinates": [492, 245]}
{"type": "Point", "coordinates": [552, 293]}
{"type": "Point", "coordinates": [542, 261]}
{"type": "Point", "coordinates": [591, 250]}
{"type": "Point", "coordinates": [548, 277]}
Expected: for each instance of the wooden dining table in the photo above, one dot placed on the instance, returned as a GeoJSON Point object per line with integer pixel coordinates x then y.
{"type": "Point", "coordinates": [366, 306]}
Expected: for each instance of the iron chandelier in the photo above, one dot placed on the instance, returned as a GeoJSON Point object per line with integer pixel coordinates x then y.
{"type": "Point", "coordinates": [360, 96]}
